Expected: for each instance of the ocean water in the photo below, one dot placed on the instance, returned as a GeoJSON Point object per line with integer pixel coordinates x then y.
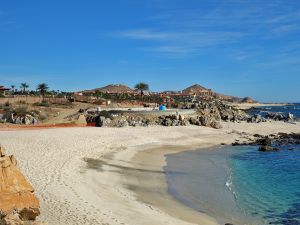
{"type": "Point", "coordinates": [239, 184]}
{"type": "Point", "coordinates": [294, 109]}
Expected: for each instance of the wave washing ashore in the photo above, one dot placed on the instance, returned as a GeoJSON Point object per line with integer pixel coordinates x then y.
{"type": "Point", "coordinates": [239, 184]}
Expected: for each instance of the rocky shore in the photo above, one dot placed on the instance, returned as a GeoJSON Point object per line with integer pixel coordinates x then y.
{"type": "Point", "coordinates": [207, 113]}
{"type": "Point", "coordinates": [271, 142]}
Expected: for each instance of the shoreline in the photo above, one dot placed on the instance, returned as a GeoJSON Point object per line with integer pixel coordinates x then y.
{"type": "Point", "coordinates": [108, 191]}
{"type": "Point", "coordinates": [156, 191]}
{"type": "Point", "coordinates": [245, 106]}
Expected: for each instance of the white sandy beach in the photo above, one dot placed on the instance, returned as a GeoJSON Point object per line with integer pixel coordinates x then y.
{"type": "Point", "coordinates": [128, 188]}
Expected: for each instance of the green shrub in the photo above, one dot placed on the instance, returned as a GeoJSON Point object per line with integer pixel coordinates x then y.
{"type": "Point", "coordinates": [20, 111]}
{"type": "Point", "coordinates": [106, 114]}
{"type": "Point", "coordinates": [43, 103]}
{"type": "Point", "coordinates": [42, 117]}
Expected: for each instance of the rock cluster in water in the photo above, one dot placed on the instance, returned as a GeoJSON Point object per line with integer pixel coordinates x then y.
{"type": "Point", "coordinates": [271, 142]}
{"type": "Point", "coordinates": [18, 204]}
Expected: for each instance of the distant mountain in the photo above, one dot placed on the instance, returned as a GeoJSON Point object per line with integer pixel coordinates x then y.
{"type": "Point", "coordinates": [195, 89]}
{"type": "Point", "coordinates": [112, 88]}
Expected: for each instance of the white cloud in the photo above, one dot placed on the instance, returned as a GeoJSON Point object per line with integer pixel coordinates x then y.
{"type": "Point", "coordinates": [181, 42]}
{"type": "Point", "coordinates": [284, 29]}
{"type": "Point", "coordinates": [185, 31]}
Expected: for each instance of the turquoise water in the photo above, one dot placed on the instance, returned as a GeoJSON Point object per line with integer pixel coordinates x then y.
{"type": "Point", "coordinates": [267, 185]}
{"type": "Point", "coordinates": [239, 184]}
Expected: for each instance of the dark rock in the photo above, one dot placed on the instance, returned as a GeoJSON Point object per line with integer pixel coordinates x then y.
{"type": "Point", "coordinates": [216, 125]}
{"type": "Point", "coordinates": [193, 121]}
{"type": "Point", "coordinates": [236, 144]}
{"type": "Point", "coordinates": [81, 110]}
{"type": "Point", "coordinates": [264, 141]}
{"type": "Point", "coordinates": [205, 121]}
{"type": "Point", "coordinates": [266, 148]}
{"type": "Point", "coordinates": [29, 214]}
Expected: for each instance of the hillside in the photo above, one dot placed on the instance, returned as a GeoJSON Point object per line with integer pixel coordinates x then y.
{"type": "Point", "coordinates": [200, 90]}
{"type": "Point", "coordinates": [112, 88]}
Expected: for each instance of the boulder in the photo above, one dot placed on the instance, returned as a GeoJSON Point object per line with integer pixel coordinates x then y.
{"type": "Point", "coordinates": [167, 122]}
{"type": "Point", "coordinates": [181, 118]}
{"type": "Point", "coordinates": [81, 120]}
{"type": "Point", "coordinates": [193, 121]}
{"type": "Point", "coordinates": [11, 218]}
{"type": "Point", "coordinates": [205, 121]}
{"type": "Point", "coordinates": [17, 199]}
{"type": "Point", "coordinates": [123, 123]}
{"type": "Point", "coordinates": [216, 125]}
{"type": "Point", "coordinates": [267, 148]}
{"type": "Point", "coordinates": [265, 141]}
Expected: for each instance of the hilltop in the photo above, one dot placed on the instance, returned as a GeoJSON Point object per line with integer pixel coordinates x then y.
{"type": "Point", "coordinates": [195, 89]}
{"type": "Point", "coordinates": [200, 90]}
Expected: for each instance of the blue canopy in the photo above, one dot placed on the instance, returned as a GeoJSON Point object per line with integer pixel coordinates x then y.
{"type": "Point", "coordinates": [162, 108]}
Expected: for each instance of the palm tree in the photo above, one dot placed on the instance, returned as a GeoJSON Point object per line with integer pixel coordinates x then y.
{"type": "Point", "coordinates": [42, 88]}
{"type": "Point", "coordinates": [13, 88]}
{"type": "Point", "coordinates": [142, 87]}
{"type": "Point", "coordinates": [24, 86]}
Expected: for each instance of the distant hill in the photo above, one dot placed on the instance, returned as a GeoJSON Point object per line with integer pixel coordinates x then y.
{"type": "Point", "coordinates": [200, 90]}
{"type": "Point", "coordinates": [195, 89]}
{"type": "Point", "coordinates": [112, 88]}
{"type": "Point", "coordinates": [192, 90]}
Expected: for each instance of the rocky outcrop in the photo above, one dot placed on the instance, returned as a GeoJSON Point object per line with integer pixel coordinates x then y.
{"type": "Point", "coordinates": [18, 204]}
{"type": "Point", "coordinates": [256, 119]}
{"type": "Point", "coordinates": [218, 110]}
{"type": "Point", "coordinates": [26, 119]}
{"type": "Point", "coordinates": [172, 120]}
{"type": "Point", "coordinates": [81, 120]}
{"type": "Point", "coordinates": [205, 121]}
{"type": "Point", "coordinates": [267, 148]}
{"type": "Point", "coordinates": [270, 143]}
{"type": "Point", "coordinates": [277, 116]}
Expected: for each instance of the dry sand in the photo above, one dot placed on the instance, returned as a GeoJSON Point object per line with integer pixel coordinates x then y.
{"type": "Point", "coordinates": [114, 175]}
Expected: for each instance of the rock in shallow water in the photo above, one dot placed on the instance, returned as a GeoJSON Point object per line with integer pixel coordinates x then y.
{"type": "Point", "coordinates": [266, 148]}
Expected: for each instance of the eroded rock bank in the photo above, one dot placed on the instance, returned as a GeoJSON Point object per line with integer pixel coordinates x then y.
{"type": "Point", "coordinates": [18, 204]}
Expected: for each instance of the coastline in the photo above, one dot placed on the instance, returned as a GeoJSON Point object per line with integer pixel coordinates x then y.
{"type": "Point", "coordinates": [155, 190]}
{"type": "Point", "coordinates": [250, 105]}
{"type": "Point", "coordinates": [125, 171]}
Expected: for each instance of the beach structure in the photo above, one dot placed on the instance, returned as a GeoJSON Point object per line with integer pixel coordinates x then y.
{"type": "Point", "coordinates": [3, 90]}
{"type": "Point", "coordinates": [162, 108]}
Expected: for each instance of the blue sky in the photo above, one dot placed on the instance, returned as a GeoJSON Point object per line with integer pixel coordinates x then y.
{"type": "Point", "coordinates": [236, 47]}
